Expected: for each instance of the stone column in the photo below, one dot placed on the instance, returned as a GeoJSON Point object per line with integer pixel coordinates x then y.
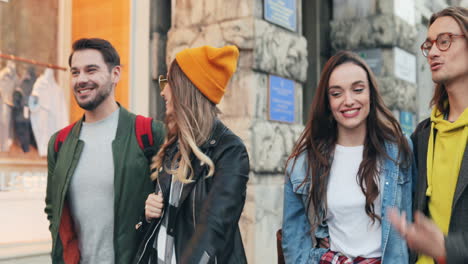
{"type": "Point", "coordinates": [264, 49]}
{"type": "Point", "coordinates": [383, 32]}
{"type": "Point", "coordinates": [159, 26]}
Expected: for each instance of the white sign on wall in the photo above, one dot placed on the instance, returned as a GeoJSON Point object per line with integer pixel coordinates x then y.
{"type": "Point", "coordinates": [405, 9]}
{"type": "Point", "coordinates": [405, 65]}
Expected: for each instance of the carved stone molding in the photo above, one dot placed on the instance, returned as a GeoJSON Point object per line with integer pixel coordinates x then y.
{"type": "Point", "coordinates": [398, 94]}
{"type": "Point", "coordinates": [372, 32]}
{"type": "Point", "coordinates": [233, 32]}
{"type": "Point", "coordinates": [271, 145]}
{"type": "Point", "coordinates": [275, 50]}
{"type": "Point", "coordinates": [188, 13]}
{"type": "Point", "coordinates": [280, 52]}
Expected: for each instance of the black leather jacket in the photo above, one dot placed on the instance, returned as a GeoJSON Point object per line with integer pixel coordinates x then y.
{"type": "Point", "coordinates": [206, 229]}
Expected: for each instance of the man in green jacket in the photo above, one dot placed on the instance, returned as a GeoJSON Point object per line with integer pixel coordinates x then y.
{"type": "Point", "coordinates": [98, 178]}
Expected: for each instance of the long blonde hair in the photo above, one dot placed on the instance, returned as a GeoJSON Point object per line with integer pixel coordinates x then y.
{"type": "Point", "coordinates": [190, 124]}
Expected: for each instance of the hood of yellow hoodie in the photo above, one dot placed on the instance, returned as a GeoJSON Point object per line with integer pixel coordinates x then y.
{"type": "Point", "coordinates": [442, 125]}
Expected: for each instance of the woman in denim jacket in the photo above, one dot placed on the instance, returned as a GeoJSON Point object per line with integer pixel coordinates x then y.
{"type": "Point", "coordinates": [351, 163]}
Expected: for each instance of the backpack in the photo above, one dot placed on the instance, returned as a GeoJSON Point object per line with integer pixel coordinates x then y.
{"type": "Point", "coordinates": [143, 132]}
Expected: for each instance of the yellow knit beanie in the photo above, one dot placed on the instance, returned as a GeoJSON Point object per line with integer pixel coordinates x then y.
{"type": "Point", "coordinates": [209, 68]}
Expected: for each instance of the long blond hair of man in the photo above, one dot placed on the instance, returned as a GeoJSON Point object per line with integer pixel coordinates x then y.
{"type": "Point", "coordinates": [190, 123]}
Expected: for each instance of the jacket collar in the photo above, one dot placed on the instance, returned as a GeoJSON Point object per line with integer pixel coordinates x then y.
{"type": "Point", "coordinates": [123, 126]}
{"type": "Point", "coordinates": [422, 141]}
{"type": "Point", "coordinates": [217, 132]}
{"type": "Point", "coordinates": [462, 182]}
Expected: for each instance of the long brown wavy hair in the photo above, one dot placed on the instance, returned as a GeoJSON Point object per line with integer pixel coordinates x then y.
{"type": "Point", "coordinates": [460, 14]}
{"type": "Point", "coordinates": [320, 135]}
{"type": "Point", "coordinates": [190, 124]}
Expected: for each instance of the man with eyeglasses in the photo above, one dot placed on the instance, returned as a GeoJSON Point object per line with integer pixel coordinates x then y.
{"type": "Point", "coordinates": [98, 173]}
{"type": "Point", "coordinates": [439, 233]}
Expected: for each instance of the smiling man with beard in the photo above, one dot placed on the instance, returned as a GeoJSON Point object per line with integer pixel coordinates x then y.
{"type": "Point", "coordinates": [99, 180]}
{"type": "Point", "coordinates": [94, 87]}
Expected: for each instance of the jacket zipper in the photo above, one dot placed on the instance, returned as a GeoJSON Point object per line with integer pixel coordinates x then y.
{"type": "Point", "coordinates": [194, 220]}
{"type": "Point", "coordinates": [154, 230]}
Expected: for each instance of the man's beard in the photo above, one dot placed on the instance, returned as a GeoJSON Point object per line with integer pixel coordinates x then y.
{"type": "Point", "coordinates": [102, 94]}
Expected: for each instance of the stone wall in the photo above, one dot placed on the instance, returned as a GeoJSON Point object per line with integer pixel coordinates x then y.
{"type": "Point", "coordinates": [363, 25]}
{"type": "Point", "coordinates": [264, 49]}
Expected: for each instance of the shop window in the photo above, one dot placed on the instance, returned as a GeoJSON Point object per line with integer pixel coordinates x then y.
{"type": "Point", "coordinates": [31, 104]}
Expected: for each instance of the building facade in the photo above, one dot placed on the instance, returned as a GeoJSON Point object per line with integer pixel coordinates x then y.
{"type": "Point", "coordinates": [283, 47]}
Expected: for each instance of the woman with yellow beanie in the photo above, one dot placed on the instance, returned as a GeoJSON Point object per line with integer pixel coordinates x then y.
{"type": "Point", "coordinates": [200, 172]}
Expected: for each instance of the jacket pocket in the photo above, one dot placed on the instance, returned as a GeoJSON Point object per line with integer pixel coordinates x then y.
{"type": "Point", "coordinates": [403, 194]}
{"type": "Point", "coordinates": [403, 177]}
{"type": "Point", "coordinates": [302, 190]}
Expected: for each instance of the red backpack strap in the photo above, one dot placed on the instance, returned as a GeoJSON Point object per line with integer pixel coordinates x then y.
{"type": "Point", "coordinates": [62, 136]}
{"type": "Point", "coordinates": [144, 135]}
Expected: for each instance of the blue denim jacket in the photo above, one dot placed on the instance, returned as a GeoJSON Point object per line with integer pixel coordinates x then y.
{"type": "Point", "coordinates": [298, 243]}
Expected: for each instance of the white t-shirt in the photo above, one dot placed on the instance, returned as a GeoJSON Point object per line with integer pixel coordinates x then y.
{"type": "Point", "coordinates": [351, 230]}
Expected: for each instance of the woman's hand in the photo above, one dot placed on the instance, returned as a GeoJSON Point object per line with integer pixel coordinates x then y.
{"type": "Point", "coordinates": [323, 242]}
{"type": "Point", "coordinates": [154, 206]}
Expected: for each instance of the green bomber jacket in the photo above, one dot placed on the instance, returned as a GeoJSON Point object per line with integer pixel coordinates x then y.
{"type": "Point", "coordinates": [132, 184]}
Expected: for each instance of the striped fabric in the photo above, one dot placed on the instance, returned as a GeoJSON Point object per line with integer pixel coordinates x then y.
{"type": "Point", "coordinates": [164, 244]}
{"type": "Point", "coordinates": [332, 257]}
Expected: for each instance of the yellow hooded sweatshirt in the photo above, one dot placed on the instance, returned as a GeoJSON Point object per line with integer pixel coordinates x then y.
{"type": "Point", "coordinates": [444, 156]}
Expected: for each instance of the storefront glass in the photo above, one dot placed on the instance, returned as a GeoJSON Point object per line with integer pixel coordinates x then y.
{"type": "Point", "coordinates": [32, 106]}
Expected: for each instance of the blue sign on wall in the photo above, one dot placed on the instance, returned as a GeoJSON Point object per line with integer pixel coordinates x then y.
{"type": "Point", "coordinates": [281, 12]}
{"type": "Point", "coordinates": [281, 99]}
{"type": "Point", "coordinates": [406, 122]}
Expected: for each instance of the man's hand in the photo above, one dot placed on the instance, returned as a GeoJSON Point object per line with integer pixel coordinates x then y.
{"type": "Point", "coordinates": [423, 236]}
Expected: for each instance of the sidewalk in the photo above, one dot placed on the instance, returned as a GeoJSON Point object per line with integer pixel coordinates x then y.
{"type": "Point", "coordinates": [26, 253]}
{"type": "Point", "coordinates": [31, 243]}
{"type": "Point", "coordinates": [43, 259]}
